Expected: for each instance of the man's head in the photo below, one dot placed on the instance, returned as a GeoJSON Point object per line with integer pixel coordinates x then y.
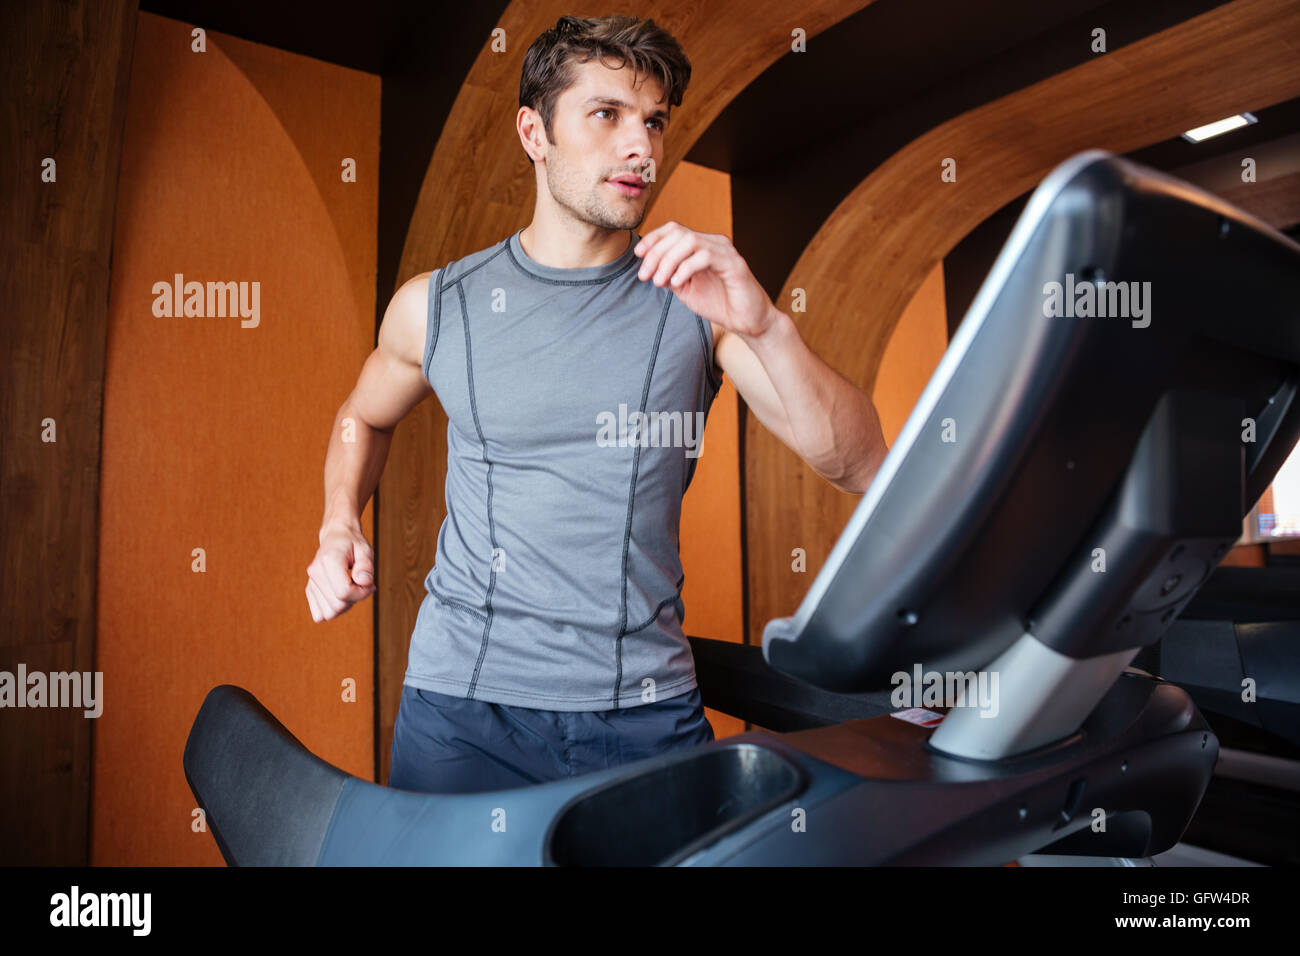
{"type": "Point", "coordinates": [594, 96]}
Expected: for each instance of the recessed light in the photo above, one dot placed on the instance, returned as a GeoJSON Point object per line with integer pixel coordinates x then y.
{"type": "Point", "coordinates": [1218, 127]}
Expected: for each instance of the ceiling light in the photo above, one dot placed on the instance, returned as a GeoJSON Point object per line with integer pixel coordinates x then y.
{"type": "Point", "coordinates": [1218, 127]}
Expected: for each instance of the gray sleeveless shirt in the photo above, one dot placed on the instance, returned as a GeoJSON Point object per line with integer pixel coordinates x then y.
{"type": "Point", "coordinates": [576, 402]}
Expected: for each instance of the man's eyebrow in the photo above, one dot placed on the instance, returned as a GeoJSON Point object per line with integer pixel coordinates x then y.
{"type": "Point", "coordinates": [615, 101]}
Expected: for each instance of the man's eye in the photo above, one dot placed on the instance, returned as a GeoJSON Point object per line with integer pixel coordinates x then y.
{"type": "Point", "coordinates": [659, 124]}
{"type": "Point", "coordinates": [598, 112]}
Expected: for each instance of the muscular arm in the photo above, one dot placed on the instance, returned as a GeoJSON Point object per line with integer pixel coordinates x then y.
{"type": "Point", "coordinates": [391, 383]}
{"type": "Point", "coordinates": [819, 414]}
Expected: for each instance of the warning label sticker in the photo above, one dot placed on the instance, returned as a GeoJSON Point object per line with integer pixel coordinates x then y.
{"type": "Point", "coordinates": [919, 716]}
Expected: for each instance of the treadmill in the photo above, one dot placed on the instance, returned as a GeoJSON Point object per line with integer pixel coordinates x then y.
{"type": "Point", "coordinates": [955, 687]}
{"type": "Point", "coordinates": [1236, 650]}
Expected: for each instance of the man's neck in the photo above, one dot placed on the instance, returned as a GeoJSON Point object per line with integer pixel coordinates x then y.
{"type": "Point", "coordinates": [577, 246]}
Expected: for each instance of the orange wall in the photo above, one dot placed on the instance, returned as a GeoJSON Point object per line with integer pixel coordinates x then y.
{"type": "Point", "coordinates": [214, 435]}
{"type": "Point", "coordinates": [917, 344]}
{"type": "Point", "coordinates": [700, 198]}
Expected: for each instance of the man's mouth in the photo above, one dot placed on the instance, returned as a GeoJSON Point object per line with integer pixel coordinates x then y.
{"type": "Point", "coordinates": [629, 185]}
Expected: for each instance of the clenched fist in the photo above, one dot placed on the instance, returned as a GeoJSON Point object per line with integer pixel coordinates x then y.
{"type": "Point", "coordinates": [341, 574]}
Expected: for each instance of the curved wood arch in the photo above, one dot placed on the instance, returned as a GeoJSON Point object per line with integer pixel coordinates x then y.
{"type": "Point", "coordinates": [877, 247]}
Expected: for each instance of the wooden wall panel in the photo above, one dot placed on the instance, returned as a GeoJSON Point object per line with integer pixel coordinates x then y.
{"type": "Point", "coordinates": [1274, 196]}
{"type": "Point", "coordinates": [65, 72]}
{"type": "Point", "coordinates": [878, 246]}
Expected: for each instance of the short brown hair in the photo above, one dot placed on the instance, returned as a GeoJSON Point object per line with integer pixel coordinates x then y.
{"type": "Point", "coordinates": [646, 46]}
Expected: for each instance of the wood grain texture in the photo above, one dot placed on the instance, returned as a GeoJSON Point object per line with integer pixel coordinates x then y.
{"type": "Point", "coordinates": [478, 189]}
{"type": "Point", "coordinates": [65, 72]}
{"type": "Point", "coordinates": [1273, 196]}
{"type": "Point", "coordinates": [877, 247]}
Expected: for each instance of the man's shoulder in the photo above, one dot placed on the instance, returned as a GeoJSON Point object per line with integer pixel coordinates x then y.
{"type": "Point", "coordinates": [707, 327]}
{"type": "Point", "coordinates": [413, 320]}
{"type": "Point", "coordinates": [459, 269]}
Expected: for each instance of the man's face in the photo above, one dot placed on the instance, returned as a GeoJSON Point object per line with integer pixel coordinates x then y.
{"type": "Point", "coordinates": [606, 126]}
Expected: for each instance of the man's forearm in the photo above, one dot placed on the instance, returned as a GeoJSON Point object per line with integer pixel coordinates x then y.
{"type": "Point", "coordinates": [834, 422]}
{"type": "Point", "coordinates": [353, 464]}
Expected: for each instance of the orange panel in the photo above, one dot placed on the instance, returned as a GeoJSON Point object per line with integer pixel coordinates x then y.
{"type": "Point", "coordinates": [700, 198]}
{"type": "Point", "coordinates": [917, 344]}
{"type": "Point", "coordinates": [214, 433]}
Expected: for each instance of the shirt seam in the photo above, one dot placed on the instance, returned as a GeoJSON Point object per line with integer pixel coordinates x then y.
{"type": "Point", "coordinates": [457, 605]}
{"type": "Point", "coordinates": [631, 499]}
{"type": "Point", "coordinates": [492, 537]}
{"type": "Point", "coordinates": [705, 338]}
{"type": "Point", "coordinates": [662, 604]}
{"type": "Point", "coordinates": [433, 320]}
{"type": "Point", "coordinates": [474, 268]}
{"type": "Point", "coordinates": [528, 272]}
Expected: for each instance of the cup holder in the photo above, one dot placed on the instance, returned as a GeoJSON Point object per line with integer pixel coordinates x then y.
{"type": "Point", "coordinates": [663, 815]}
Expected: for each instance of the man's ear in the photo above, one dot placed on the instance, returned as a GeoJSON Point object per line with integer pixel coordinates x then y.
{"type": "Point", "coordinates": [532, 134]}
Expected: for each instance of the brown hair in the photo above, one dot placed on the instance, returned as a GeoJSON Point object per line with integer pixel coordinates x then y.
{"type": "Point", "coordinates": [643, 44]}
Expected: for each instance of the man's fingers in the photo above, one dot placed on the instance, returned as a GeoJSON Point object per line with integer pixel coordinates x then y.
{"type": "Point", "coordinates": [311, 603]}
{"type": "Point", "coordinates": [692, 264]}
{"type": "Point", "coordinates": [333, 577]}
{"type": "Point", "coordinates": [363, 568]}
{"type": "Point", "coordinates": [320, 605]}
{"type": "Point", "coordinates": [333, 604]}
{"type": "Point", "coordinates": [323, 605]}
{"type": "Point", "coordinates": [341, 574]}
{"type": "Point", "coordinates": [664, 244]}
{"type": "Point", "coordinates": [654, 237]}
{"type": "Point", "coordinates": [337, 580]}
{"type": "Point", "coordinates": [672, 256]}
{"type": "Point", "coordinates": [664, 259]}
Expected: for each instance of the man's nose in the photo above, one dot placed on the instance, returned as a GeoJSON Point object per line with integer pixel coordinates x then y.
{"type": "Point", "coordinates": [636, 144]}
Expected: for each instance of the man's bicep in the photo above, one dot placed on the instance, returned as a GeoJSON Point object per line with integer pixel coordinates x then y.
{"type": "Point", "coordinates": [738, 361]}
{"type": "Point", "coordinates": [392, 381]}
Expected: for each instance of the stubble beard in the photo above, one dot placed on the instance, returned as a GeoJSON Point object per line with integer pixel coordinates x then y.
{"type": "Point", "coordinates": [588, 206]}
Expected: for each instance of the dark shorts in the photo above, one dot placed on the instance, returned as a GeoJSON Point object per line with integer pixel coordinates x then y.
{"type": "Point", "coordinates": [444, 744]}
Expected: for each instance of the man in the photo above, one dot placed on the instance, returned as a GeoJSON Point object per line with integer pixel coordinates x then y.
{"type": "Point", "coordinates": [576, 361]}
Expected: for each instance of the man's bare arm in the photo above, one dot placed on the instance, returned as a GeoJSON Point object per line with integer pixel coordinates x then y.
{"type": "Point", "coordinates": [823, 417]}
{"type": "Point", "coordinates": [391, 383]}
{"type": "Point", "coordinates": [828, 421]}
